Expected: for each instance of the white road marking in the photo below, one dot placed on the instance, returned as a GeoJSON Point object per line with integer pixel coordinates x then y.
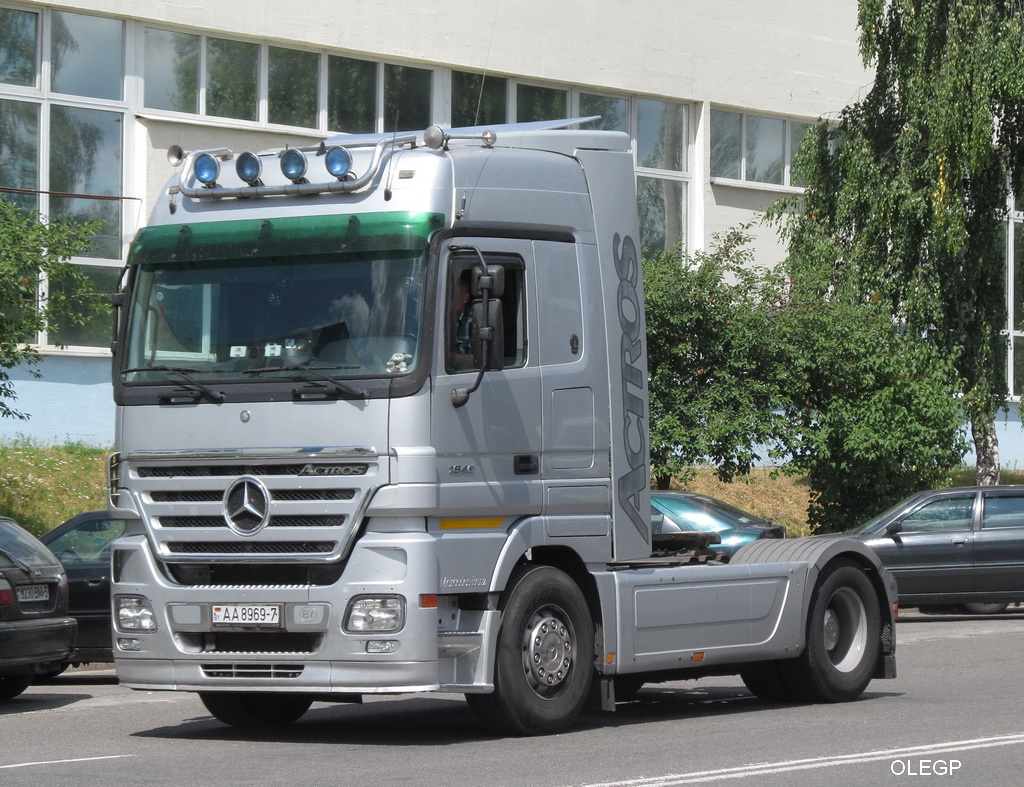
{"type": "Point", "coordinates": [63, 762]}
{"type": "Point", "coordinates": [767, 768]}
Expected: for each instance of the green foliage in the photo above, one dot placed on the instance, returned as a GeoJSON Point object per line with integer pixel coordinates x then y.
{"type": "Point", "coordinates": [41, 486]}
{"type": "Point", "coordinates": [27, 248]}
{"type": "Point", "coordinates": [712, 396]}
{"type": "Point", "coordinates": [874, 412]}
{"type": "Point", "coordinates": [744, 368]}
{"type": "Point", "coordinates": [906, 191]}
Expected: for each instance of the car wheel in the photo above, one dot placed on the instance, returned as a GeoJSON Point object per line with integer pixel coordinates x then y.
{"type": "Point", "coordinates": [545, 657]}
{"type": "Point", "coordinates": [249, 709]}
{"type": "Point", "coordinates": [768, 682]}
{"type": "Point", "coordinates": [13, 685]}
{"type": "Point", "coordinates": [979, 608]}
{"type": "Point", "coordinates": [844, 627]}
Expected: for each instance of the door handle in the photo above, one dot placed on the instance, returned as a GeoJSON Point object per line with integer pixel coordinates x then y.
{"type": "Point", "coordinates": [959, 541]}
{"type": "Point", "coordinates": [526, 464]}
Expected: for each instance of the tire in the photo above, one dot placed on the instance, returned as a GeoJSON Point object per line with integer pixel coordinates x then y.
{"type": "Point", "coordinates": [844, 629]}
{"type": "Point", "coordinates": [545, 657]}
{"type": "Point", "coordinates": [13, 685]}
{"type": "Point", "coordinates": [252, 709]}
{"type": "Point", "coordinates": [980, 608]}
{"type": "Point", "coordinates": [768, 682]}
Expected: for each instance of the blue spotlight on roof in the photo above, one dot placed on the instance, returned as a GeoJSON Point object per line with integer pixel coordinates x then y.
{"type": "Point", "coordinates": [248, 167]}
{"type": "Point", "coordinates": [207, 168]}
{"type": "Point", "coordinates": [293, 165]}
{"type": "Point", "coordinates": [338, 162]}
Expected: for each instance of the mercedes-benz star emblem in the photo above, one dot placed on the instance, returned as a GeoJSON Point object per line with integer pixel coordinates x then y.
{"type": "Point", "coordinates": [247, 506]}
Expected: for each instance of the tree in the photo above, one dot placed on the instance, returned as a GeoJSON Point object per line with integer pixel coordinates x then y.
{"type": "Point", "coordinates": [874, 413]}
{"type": "Point", "coordinates": [746, 369]}
{"type": "Point", "coordinates": [905, 192]}
{"type": "Point", "coordinates": [712, 362]}
{"type": "Point", "coordinates": [28, 248]}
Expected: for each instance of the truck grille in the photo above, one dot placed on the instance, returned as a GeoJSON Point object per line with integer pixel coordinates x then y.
{"type": "Point", "coordinates": [252, 670]}
{"type": "Point", "coordinates": [301, 506]}
{"type": "Point", "coordinates": [252, 547]}
{"type": "Point", "coordinates": [275, 521]}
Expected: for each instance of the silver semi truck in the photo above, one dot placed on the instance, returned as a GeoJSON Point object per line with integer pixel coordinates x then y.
{"type": "Point", "coordinates": [382, 428]}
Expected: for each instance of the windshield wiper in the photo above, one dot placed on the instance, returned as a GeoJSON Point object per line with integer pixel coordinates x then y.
{"type": "Point", "coordinates": [337, 384]}
{"type": "Point", "coordinates": [17, 561]}
{"type": "Point", "coordinates": [184, 372]}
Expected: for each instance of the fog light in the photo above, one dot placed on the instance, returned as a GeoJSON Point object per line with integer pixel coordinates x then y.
{"type": "Point", "coordinates": [134, 613]}
{"type": "Point", "coordinates": [375, 613]}
{"type": "Point", "coordinates": [129, 643]}
{"type": "Point", "coordinates": [382, 646]}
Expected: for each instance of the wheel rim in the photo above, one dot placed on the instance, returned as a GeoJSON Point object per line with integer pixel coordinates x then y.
{"type": "Point", "coordinates": [549, 651]}
{"type": "Point", "coordinates": [845, 630]}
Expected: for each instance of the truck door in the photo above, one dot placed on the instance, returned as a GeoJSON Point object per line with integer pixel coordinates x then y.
{"type": "Point", "coordinates": [488, 449]}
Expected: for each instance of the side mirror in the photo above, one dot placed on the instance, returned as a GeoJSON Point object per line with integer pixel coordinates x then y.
{"type": "Point", "coordinates": [893, 528]}
{"type": "Point", "coordinates": [488, 327]}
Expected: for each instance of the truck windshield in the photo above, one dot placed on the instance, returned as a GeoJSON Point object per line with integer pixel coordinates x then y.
{"type": "Point", "coordinates": [345, 313]}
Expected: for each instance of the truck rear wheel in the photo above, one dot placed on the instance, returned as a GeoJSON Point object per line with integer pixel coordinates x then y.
{"type": "Point", "coordinates": [844, 628]}
{"type": "Point", "coordinates": [252, 709]}
{"type": "Point", "coordinates": [545, 657]}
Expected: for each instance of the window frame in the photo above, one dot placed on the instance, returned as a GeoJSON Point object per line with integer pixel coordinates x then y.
{"type": "Point", "coordinates": [787, 186]}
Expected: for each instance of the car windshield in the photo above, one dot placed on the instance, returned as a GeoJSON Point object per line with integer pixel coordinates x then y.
{"type": "Point", "coordinates": [696, 514]}
{"type": "Point", "coordinates": [16, 545]}
{"type": "Point", "coordinates": [219, 309]}
{"type": "Point", "coordinates": [873, 523]}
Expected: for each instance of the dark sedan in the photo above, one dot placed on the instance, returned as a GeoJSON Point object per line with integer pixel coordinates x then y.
{"type": "Point", "coordinates": [961, 547]}
{"type": "Point", "coordinates": [735, 527]}
{"type": "Point", "coordinates": [35, 631]}
{"type": "Point", "coordinates": [83, 545]}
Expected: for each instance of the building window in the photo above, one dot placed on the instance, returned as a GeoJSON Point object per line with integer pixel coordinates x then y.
{"type": "Point", "coordinates": [754, 148]}
{"type": "Point", "coordinates": [351, 95]}
{"type": "Point", "coordinates": [61, 141]}
{"type": "Point", "coordinates": [407, 97]}
{"type": "Point", "coordinates": [662, 158]}
{"type": "Point", "coordinates": [18, 47]}
{"type": "Point", "coordinates": [232, 79]}
{"type": "Point", "coordinates": [19, 152]}
{"type": "Point", "coordinates": [540, 103]}
{"type": "Point", "coordinates": [293, 87]}
{"type": "Point", "coordinates": [613, 112]}
{"type": "Point", "coordinates": [478, 100]}
{"type": "Point", "coordinates": [171, 71]}
{"type": "Point", "coordinates": [87, 56]}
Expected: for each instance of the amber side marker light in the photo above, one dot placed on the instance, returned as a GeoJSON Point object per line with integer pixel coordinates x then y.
{"type": "Point", "coordinates": [428, 601]}
{"type": "Point", "coordinates": [697, 656]}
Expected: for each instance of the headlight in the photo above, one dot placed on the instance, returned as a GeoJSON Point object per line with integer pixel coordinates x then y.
{"type": "Point", "coordinates": [134, 613]}
{"type": "Point", "coordinates": [375, 613]}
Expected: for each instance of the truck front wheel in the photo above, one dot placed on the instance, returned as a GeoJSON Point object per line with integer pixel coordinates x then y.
{"type": "Point", "coordinates": [844, 628]}
{"type": "Point", "coordinates": [251, 709]}
{"type": "Point", "coordinates": [545, 658]}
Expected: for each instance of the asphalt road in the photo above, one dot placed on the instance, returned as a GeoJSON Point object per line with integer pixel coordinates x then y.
{"type": "Point", "coordinates": [952, 715]}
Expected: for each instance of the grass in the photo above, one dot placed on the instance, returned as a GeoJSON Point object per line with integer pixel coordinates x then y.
{"type": "Point", "coordinates": [41, 486]}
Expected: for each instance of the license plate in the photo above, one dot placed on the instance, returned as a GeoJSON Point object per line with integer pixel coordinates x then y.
{"type": "Point", "coordinates": [247, 614]}
{"type": "Point", "coordinates": [33, 593]}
